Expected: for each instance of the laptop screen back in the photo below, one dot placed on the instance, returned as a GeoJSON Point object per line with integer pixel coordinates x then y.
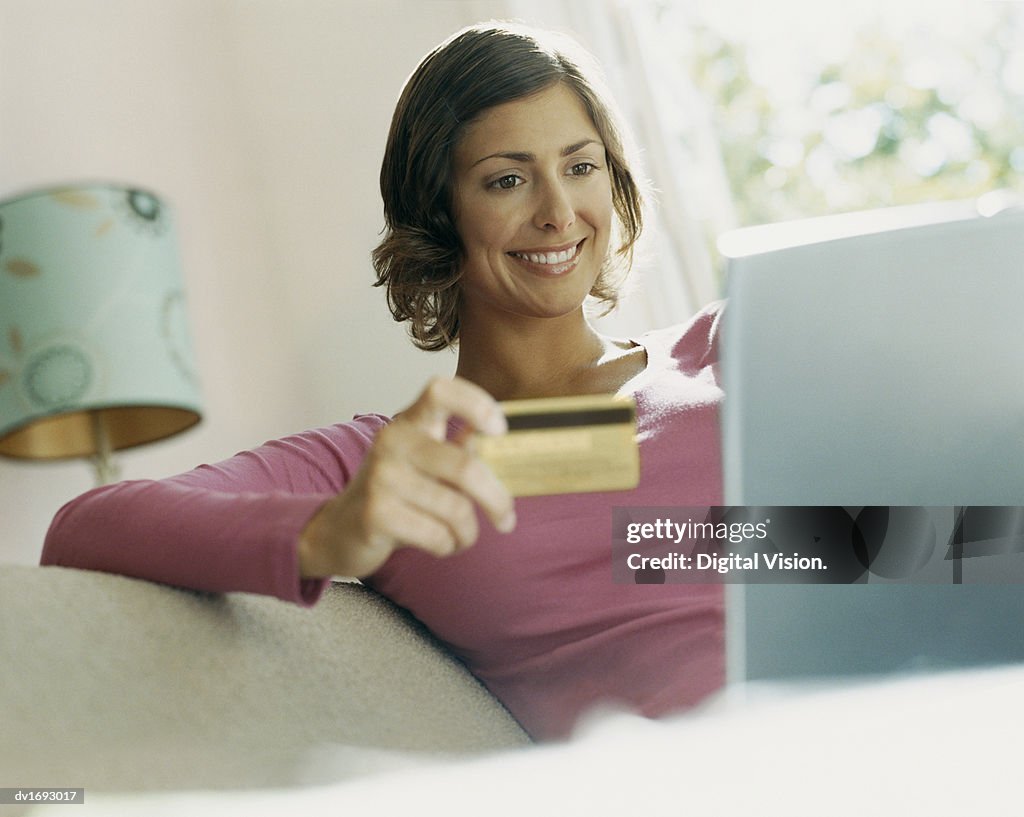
{"type": "Point", "coordinates": [876, 359]}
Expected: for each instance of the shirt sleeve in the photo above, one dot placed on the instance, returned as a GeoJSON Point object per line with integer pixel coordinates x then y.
{"type": "Point", "coordinates": [698, 346]}
{"type": "Point", "coordinates": [228, 527]}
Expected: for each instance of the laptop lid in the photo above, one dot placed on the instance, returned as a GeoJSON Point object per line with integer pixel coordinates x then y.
{"type": "Point", "coordinates": [877, 360]}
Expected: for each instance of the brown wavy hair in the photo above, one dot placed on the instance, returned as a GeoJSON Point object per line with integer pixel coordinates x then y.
{"type": "Point", "coordinates": [420, 257]}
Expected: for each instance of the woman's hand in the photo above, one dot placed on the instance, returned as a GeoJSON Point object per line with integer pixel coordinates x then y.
{"type": "Point", "coordinates": [413, 489]}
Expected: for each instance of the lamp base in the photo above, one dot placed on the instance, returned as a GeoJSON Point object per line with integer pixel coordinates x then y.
{"type": "Point", "coordinates": [106, 469]}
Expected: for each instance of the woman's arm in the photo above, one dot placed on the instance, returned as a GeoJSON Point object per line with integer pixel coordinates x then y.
{"type": "Point", "coordinates": [233, 526]}
{"type": "Point", "coordinates": [282, 518]}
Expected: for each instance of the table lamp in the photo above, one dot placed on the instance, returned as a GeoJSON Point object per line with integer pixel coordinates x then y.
{"type": "Point", "coordinates": [95, 353]}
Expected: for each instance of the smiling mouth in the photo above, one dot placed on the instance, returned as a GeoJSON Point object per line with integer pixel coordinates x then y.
{"type": "Point", "coordinates": [550, 259]}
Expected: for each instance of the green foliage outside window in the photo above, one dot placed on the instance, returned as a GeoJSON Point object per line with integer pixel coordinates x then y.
{"type": "Point", "coordinates": [921, 114]}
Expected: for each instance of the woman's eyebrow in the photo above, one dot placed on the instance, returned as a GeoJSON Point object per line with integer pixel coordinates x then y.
{"type": "Point", "coordinates": [521, 156]}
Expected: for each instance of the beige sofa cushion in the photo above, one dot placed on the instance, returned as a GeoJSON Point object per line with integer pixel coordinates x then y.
{"type": "Point", "coordinates": [119, 684]}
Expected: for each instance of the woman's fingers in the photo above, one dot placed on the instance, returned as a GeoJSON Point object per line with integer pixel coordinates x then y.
{"type": "Point", "coordinates": [449, 465]}
{"type": "Point", "coordinates": [432, 516]}
{"type": "Point", "coordinates": [388, 505]}
{"type": "Point", "coordinates": [459, 467]}
{"type": "Point", "coordinates": [444, 398]}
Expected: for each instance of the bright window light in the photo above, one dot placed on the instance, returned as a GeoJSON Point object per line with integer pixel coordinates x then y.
{"type": "Point", "coordinates": [832, 106]}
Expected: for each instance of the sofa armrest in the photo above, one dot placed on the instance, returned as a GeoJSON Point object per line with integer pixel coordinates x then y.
{"type": "Point", "coordinates": [120, 684]}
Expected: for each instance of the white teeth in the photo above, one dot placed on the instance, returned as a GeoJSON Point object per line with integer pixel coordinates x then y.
{"type": "Point", "coordinates": [549, 257]}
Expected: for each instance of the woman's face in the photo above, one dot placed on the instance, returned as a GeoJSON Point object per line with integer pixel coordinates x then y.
{"type": "Point", "coordinates": [533, 206]}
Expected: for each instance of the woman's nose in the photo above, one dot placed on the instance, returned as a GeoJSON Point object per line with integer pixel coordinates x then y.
{"type": "Point", "coordinates": [555, 211]}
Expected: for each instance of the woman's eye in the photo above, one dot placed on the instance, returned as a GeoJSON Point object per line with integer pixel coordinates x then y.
{"type": "Point", "coordinates": [582, 168]}
{"type": "Point", "coordinates": [506, 182]}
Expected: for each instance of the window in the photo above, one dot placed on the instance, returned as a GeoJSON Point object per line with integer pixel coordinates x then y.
{"type": "Point", "coordinates": [821, 106]}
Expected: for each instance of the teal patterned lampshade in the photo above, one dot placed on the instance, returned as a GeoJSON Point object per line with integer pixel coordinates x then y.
{"type": "Point", "coordinates": [95, 352]}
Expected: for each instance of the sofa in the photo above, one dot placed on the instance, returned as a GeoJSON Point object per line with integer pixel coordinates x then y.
{"type": "Point", "coordinates": [163, 702]}
{"type": "Point", "coordinates": [118, 684]}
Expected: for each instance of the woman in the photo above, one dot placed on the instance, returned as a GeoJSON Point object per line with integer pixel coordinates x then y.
{"type": "Point", "coordinates": [508, 200]}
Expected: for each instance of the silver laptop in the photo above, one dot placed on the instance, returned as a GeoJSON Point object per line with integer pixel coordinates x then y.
{"type": "Point", "coordinates": [874, 363]}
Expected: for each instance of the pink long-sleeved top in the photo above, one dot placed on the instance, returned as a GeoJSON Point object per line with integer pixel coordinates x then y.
{"type": "Point", "coordinates": [534, 614]}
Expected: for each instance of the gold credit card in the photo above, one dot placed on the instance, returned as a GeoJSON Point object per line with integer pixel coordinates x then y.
{"type": "Point", "coordinates": [563, 445]}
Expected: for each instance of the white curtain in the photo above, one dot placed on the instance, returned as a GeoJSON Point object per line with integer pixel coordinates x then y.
{"type": "Point", "coordinates": [676, 270]}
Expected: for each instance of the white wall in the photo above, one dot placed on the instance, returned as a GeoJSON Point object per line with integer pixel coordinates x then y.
{"type": "Point", "coordinates": [263, 123]}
